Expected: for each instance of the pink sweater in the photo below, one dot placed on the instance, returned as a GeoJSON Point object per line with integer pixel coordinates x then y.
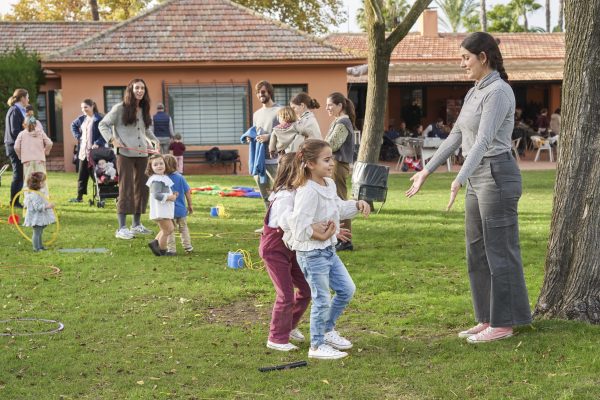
{"type": "Point", "coordinates": [33, 146]}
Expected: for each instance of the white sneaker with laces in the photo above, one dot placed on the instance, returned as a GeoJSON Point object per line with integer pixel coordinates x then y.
{"type": "Point", "coordinates": [281, 346]}
{"type": "Point", "coordinates": [140, 230]}
{"type": "Point", "coordinates": [123, 233]}
{"type": "Point", "coordinates": [296, 335]}
{"type": "Point", "coordinates": [326, 352]}
{"type": "Point", "coordinates": [334, 339]}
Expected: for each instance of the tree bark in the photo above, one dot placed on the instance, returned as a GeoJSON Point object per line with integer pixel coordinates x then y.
{"type": "Point", "coordinates": [483, 15]}
{"type": "Point", "coordinates": [571, 287]}
{"type": "Point", "coordinates": [94, 9]}
{"type": "Point", "coordinates": [379, 54]}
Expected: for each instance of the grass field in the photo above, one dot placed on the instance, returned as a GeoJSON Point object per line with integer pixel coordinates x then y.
{"type": "Point", "coordinates": [187, 327]}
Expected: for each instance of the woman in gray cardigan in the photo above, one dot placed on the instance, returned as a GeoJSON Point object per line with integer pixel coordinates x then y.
{"type": "Point", "coordinates": [127, 126]}
{"type": "Point", "coordinates": [493, 184]}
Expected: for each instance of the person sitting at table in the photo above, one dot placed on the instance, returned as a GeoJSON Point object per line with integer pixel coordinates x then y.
{"type": "Point", "coordinates": [392, 134]}
{"type": "Point", "coordinates": [403, 131]}
{"type": "Point", "coordinates": [436, 130]}
{"type": "Point", "coordinates": [417, 132]}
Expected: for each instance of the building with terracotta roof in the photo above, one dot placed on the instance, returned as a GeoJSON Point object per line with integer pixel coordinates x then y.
{"type": "Point", "coordinates": [201, 58]}
{"type": "Point", "coordinates": [425, 69]}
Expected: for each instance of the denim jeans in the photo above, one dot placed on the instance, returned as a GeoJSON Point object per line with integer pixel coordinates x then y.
{"type": "Point", "coordinates": [323, 271]}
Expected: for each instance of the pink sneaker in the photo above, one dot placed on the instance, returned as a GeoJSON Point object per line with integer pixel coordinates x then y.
{"type": "Point", "coordinates": [474, 330]}
{"type": "Point", "coordinates": [491, 334]}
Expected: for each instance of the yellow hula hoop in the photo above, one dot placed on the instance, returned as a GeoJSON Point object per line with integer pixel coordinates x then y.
{"type": "Point", "coordinates": [12, 212]}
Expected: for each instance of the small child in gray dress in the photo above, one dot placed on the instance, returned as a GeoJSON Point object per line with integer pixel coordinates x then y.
{"type": "Point", "coordinates": [39, 209]}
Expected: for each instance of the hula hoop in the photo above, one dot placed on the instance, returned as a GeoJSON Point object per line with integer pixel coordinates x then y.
{"type": "Point", "coordinates": [198, 235]}
{"type": "Point", "coordinates": [241, 235]}
{"type": "Point", "coordinates": [55, 269]}
{"type": "Point", "coordinates": [59, 328]}
{"type": "Point", "coordinates": [12, 212]}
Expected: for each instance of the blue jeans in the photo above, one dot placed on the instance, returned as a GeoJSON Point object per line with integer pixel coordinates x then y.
{"type": "Point", "coordinates": [323, 271]}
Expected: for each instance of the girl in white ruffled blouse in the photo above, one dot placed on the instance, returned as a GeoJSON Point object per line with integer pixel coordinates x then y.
{"type": "Point", "coordinates": [162, 202]}
{"type": "Point", "coordinates": [39, 209]}
{"type": "Point", "coordinates": [313, 226]}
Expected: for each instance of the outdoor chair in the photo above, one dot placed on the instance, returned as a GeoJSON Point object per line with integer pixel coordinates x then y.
{"type": "Point", "coordinates": [2, 171]}
{"type": "Point", "coordinates": [406, 149]}
{"type": "Point", "coordinates": [540, 144]}
{"type": "Point", "coordinates": [515, 148]}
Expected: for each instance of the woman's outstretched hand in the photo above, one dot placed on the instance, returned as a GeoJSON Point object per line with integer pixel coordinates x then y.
{"type": "Point", "coordinates": [454, 188]}
{"type": "Point", "coordinates": [417, 181]}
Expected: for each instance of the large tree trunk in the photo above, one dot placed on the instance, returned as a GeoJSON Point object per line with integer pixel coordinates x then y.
{"type": "Point", "coordinates": [483, 15]}
{"type": "Point", "coordinates": [380, 50]}
{"type": "Point", "coordinates": [94, 9]}
{"type": "Point", "coordinates": [548, 27]}
{"type": "Point", "coordinates": [571, 286]}
{"type": "Point", "coordinates": [379, 66]}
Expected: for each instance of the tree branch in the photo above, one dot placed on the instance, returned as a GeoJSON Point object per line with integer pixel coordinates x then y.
{"type": "Point", "coordinates": [402, 30]}
{"type": "Point", "coordinates": [376, 11]}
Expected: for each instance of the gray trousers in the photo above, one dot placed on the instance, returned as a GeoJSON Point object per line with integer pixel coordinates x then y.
{"type": "Point", "coordinates": [492, 238]}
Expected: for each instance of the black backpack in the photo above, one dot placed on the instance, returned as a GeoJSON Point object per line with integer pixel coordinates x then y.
{"type": "Point", "coordinates": [213, 155]}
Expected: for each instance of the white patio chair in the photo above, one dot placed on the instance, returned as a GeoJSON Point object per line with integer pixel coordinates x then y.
{"type": "Point", "coordinates": [540, 144]}
{"type": "Point", "coordinates": [406, 149]}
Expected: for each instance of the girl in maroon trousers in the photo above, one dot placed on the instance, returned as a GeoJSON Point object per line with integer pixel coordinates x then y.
{"type": "Point", "coordinates": [282, 265]}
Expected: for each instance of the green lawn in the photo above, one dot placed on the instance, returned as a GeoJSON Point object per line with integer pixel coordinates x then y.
{"type": "Point", "coordinates": [142, 327]}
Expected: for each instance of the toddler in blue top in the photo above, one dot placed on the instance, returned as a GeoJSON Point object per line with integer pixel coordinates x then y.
{"type": "Point", "coordinates": [184, 196]}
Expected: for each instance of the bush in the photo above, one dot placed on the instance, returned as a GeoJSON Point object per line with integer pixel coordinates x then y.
{"type": "Point", "coordinates": [18, 69]}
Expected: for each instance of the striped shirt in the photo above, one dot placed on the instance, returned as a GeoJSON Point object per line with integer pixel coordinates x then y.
{"type": "Point", "coordinates": [483, 128]}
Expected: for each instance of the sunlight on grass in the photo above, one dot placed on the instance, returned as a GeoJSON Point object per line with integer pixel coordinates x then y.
{"type": "Point", "coordinates": [187, 327]}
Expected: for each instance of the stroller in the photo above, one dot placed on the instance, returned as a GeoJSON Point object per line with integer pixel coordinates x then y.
{"type": "Point", "coordinates": [105, 180]}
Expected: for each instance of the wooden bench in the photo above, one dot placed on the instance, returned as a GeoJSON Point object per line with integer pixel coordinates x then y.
{"type": "Point", "coordinates": [199, 157]}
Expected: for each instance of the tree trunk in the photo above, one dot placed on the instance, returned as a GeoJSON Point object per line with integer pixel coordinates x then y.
{"type": "Point", "coordinates": [94, 9]}
{"type": "Point", "coordinates": [483, 15]}
{"type": "Point", "coordinates": [379, 66]}
{"type": "Point", "coordinates": [548, 27]}
{"type": "Point", "coordinates": [571, 286]}
{"type": "Point", "coordinates": [525, 23]}
{"type": "Point", "coordinates": [380, 50]}
{"type": "Point", "coordinates": [560, 15]}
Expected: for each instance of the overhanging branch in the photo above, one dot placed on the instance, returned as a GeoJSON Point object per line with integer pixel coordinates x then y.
{"type": "Point", "coordinates": [376, 11]}
{"type": "Point", "coordinates": [402, 30]}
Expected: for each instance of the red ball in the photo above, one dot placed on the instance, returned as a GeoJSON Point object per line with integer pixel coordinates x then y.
{"type": "Point", "coordinates": [13, 219]}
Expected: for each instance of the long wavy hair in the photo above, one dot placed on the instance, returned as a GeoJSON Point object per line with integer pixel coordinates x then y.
{"type": "Point", "coordinates": [130, 105]}
{"type": "Point", "coordinates": [347, 105]}
{"type": "Point", "coordinates": [309, 152]}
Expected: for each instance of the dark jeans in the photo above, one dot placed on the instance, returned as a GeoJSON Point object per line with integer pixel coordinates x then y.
{"type": "Point", "coordinates": [17, 175]}
{"type": "Point", "coordinates": [82, 178]}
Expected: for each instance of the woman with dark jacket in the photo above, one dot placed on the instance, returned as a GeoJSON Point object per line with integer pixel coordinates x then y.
{"type": "Point", "coordinates": [15, 116]}
{"type": "Point", "coordinates": [85, 130]}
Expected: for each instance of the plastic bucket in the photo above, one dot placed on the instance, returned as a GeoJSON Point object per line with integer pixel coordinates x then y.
{"type": "Point", "coordinates": [214, 212]}
{"type": "Point", "coordinates": [235, 260]}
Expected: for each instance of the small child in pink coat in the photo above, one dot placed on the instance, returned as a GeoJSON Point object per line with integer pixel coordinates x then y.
{"type": "Point", "coordinates": [32, 145]}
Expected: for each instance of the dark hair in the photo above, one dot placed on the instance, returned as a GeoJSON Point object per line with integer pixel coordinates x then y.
{"type": "Point", "coordinates": [29, 107]}
{"type": "Point", "coordinates": [557, 111]}
{"type": "Point", "coordinates": [35, 179]}
{"type": "Point", "coordinates": [482, 42]}
{"type": "Point", "coordinates": [170, 163]}
{"type": "Point", "coordinates": [347, 106]}
{"type": "Point", "coordinates": [543, 110]}
{"type": "Point", "coordinates": [286, 172]}
{"type": "Point", "coordinates": [177, 136]}
{"type": "Point", "coordinates": [309, 152]}
{"type": "Point", "coordinates": [303, 98]}
{"type": "Point", "coordinates": [130, 105]}
{"type": "Point", "coordinates": [92, 104]}
{"type": "Point", "coordinates": [18, 94]}
{"type": "Point", "coordinates": [269, 87]}
{"type": "Point", "coordinates": [149, 171]}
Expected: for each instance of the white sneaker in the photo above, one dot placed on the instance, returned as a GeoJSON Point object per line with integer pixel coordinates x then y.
{"type": "Point", "coordinates": [123, 233]}
{"type": "Point", "coordinates": [296, 335]}
{"type": "Point", "coordinates": [281, 346]}
{"type": "Point", "coordinates": [140, 230]}
{"type": "Point", "coordinates": [334, 339]}
{"type": "Point", "coordinates": [259, 230]}
{"type": "Point", "coordinates": [326, 352]}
